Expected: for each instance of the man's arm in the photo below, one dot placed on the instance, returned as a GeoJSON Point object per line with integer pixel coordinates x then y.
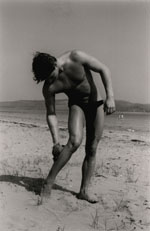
{"type": "Point", "coordinates": [95, 65]}
{"type": "Point", "coordinates": [51, 115]}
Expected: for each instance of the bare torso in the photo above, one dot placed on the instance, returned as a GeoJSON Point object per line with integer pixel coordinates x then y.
{"type": "Point", "coordinates": [75, 80]}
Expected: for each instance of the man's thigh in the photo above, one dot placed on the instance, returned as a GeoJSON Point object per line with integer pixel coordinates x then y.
{"type": "Point", "coordinates": [76, 121]}
{"type": "Point", "coordinates": [94, 124]}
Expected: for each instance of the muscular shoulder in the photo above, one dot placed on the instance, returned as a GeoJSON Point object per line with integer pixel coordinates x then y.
{"type": "Point", "coordinates": [79, 56]}
{"type": "Point", "coordinates": [87, 60]}
{"type": "Point", "coordinates": [75, 55]}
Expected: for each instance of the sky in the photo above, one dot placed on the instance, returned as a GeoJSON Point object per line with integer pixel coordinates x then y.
{"type": "Point", "coordinates": [115, 32]}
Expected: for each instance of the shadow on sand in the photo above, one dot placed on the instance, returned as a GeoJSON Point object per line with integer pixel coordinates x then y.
{"type": "Point", "coordinates": [31, 184]}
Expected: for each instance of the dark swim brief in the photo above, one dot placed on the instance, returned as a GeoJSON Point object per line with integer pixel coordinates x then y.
{"type": "Point", "coordinates": [86, 106]}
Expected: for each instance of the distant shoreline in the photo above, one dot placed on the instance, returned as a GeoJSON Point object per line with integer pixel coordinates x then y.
{"type": "Point", "coordinates": [121, 106]}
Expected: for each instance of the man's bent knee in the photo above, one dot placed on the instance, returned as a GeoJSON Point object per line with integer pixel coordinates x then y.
{"type": "Point", "coordinates": [74, 142]}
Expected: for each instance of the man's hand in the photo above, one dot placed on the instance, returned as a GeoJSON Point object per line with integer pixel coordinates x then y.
{"type": "Point", "coordinates": [57, 149]}
{"type": "Point", "coordinates": [109, 105]}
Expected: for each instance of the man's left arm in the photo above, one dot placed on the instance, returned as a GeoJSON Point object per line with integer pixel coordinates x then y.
{"type": "Point", "coordinates": [95, 65]}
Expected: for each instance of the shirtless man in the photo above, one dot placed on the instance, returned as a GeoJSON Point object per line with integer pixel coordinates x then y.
{"type": "Point", "coordinates": [71, 74]}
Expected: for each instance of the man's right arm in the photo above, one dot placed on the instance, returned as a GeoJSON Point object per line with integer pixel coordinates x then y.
{"type": "Point", "coordinates": [51, 115]}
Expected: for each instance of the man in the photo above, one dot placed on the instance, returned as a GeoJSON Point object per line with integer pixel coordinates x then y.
{"type": "Point", "coordinates": [71, 74]}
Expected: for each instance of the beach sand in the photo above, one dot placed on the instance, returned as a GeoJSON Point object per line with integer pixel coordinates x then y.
{"type": "Point", "coordinates": [121, 182]}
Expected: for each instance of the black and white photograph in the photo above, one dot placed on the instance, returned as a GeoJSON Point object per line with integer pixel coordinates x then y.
{"type": "Point", "coordinates": [74, 115]}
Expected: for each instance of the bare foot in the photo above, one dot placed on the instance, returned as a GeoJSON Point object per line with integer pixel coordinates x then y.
{"type": "Point", "coordinates": [85, 196]}
{"type": "Point", "coordinates": [46, 192]}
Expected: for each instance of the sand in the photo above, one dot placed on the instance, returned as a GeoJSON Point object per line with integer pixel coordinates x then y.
{"type": "Point", "coordinates": [121, 179]}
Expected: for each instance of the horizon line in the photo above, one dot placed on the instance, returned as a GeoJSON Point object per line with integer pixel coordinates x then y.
{"type": "Point", "coordinates": [11, 101]}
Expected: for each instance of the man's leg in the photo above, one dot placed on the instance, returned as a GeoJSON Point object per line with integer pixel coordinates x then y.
{"type": "Point", "coordinates": [75, 126]}
{"type": "Point", "coordinates": [94, 125]}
